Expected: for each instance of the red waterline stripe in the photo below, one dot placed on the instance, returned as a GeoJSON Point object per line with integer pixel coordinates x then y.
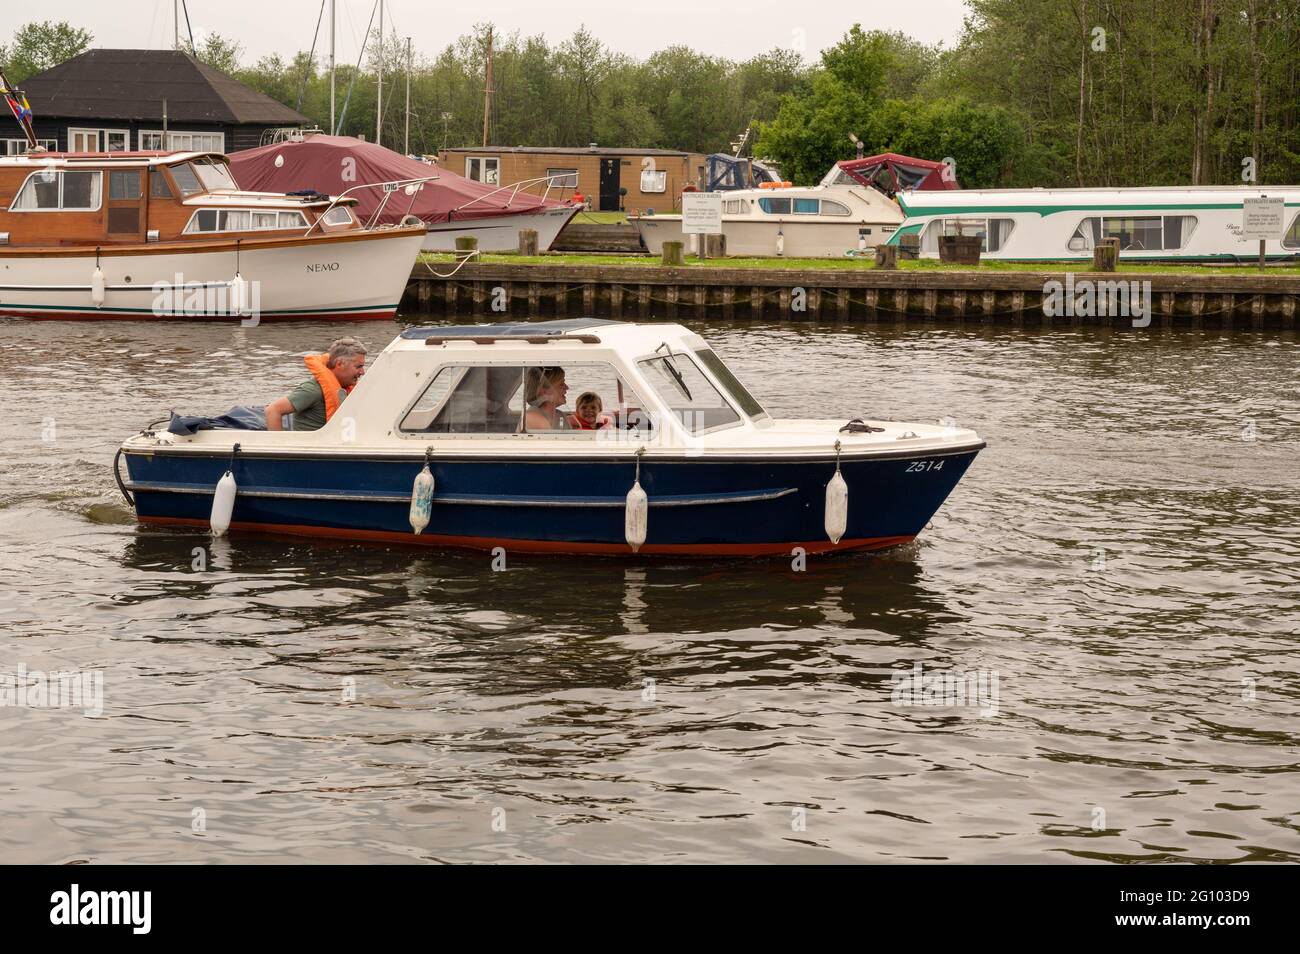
{"type": "Point", "coordinates": [543, 546]}
{"type": "Point", "coordinates": [387, 315]}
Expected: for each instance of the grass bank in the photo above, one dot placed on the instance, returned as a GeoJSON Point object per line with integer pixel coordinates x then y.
{"type": "Point", "coordinates": [858, 264]}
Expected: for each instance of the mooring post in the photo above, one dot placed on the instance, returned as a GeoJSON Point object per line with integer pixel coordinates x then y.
{"type": "Point", "coordinates": [728, 303]}
{"type": "Point", "coordinates": [673, 254]}
{"type": "Point", "coordinates": [1105, 256]}
{"type": "Point", "coordinates": [528, 241]}
{"type": "Point", "coordinates": [756, 302]}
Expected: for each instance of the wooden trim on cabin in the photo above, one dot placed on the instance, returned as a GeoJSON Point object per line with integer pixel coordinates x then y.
{"type": "Point", "coordinates": [181, 247]}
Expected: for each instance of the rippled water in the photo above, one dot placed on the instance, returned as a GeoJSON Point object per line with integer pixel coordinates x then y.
{"type": "Point", "coordinates": [1124, 557]}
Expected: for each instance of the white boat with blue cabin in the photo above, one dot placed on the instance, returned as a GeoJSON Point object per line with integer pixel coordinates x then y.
{"type": "Point", "coordinates": [445, 442]}
{"type": "Point", "coordinates": [1195, 223]}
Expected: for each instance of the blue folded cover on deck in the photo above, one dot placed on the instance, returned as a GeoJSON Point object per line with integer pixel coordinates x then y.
{"type": "Point", "coordinates": [238, 418]}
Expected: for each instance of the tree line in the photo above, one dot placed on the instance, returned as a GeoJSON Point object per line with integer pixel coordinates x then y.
{"type": "Point", "coordinates": [1034, 93]}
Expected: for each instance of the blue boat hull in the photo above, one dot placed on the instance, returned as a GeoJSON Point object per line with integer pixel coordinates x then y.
{"type": "Point", "coordinates": [561, 505]}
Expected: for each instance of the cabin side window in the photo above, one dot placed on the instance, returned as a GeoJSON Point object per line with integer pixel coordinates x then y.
{"type": "Point", "coordinates": [690, 396]}
{"type": "Point", "coordinates": [496, 399]}
{"type": "Point", "coordinates": [52, 190]}
{"type": "Point", "coordinates": [243, 220]}
{"type": "Point", "coordinates": [774, 206]}
{"type": "Point", "coordinates": [830, 207]}
{"type": "Point", "coordinates": [336, 216]}
{"type": "Point", "coordinates": [805, 206]}
{"type": "Point", "coordinates": [993, 233]}
{"type": "Point", "coordinates": [1136, 233]}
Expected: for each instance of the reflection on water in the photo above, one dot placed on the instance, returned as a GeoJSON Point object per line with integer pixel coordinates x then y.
{"type": "Point", "coordinates": [1125, 556]}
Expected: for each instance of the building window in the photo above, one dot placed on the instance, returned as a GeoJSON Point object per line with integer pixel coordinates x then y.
{"type": "Point", "coordinates": [50, 190]}
{"type": "Point", "coordinates": [485, 169]}
{"type": "Point", "coordinates": [563, 178]}
{"type": "Point", "coordinates": [18, 147]}
{"type": "Point", "coordinates": [181, 141]}
{"type": "Point", "coordinates": [654, 180]}
{"type": "Point", "coordinates": [98, 140]}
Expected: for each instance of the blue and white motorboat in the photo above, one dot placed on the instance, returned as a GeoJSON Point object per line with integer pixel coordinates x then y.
{"type": "Point", "coordinates": [444, 443]}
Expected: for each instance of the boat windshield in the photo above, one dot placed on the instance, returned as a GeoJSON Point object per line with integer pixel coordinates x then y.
{"type": "Point", "coordinates": [690, 396]}
{"type": "Point", "coordinates": [213, 174]}
{"type": "Point", "coordinates": [737, 391]}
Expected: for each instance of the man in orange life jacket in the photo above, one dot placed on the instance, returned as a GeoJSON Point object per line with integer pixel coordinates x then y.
{"type": "Point", "coordinates": [333, 376]}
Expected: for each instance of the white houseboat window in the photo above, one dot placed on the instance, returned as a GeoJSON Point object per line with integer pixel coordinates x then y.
{"type": "Point", "coordinates": [186, 179]}
{"type": "Point", "coordinates": [1141, 233]}
{"type": "Point", "coordinates": [489, 399]}
{"type": "Point", "coordinates": [1292, 237]}
{"type": "Point", "coordinates": [690, 396]}
{"type": "Point", "coordinates": [654, 180]}
{"type": "Point", "coordinates": [775, 206]}
{"type": "Point", "coordinates": [805, 206]}
{"type": "Point", "coordinates": [242, 220]}
{"type": "Point", "coordinates": [993, 233]}
{"type": "Point", "coordinates": [834, 208]}
{"type": "Point", "coordinates": [338, 216]}
{"type": "Point", "coordinates": [747, 402]}
{"type": "Point", "coordinates": [563, 178]}
{"type": "Point", "coordinates": [50, 190]}
{"type": "Point", "coordinates": [213, 174]}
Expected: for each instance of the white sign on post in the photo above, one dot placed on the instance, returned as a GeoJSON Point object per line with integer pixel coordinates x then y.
{"type": "Point", "coordinates": [1262, 218]}
{"type": "Point", "coordinates": [701, 213]}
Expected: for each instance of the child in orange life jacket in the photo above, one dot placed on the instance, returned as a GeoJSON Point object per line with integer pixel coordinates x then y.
{"type": "Point", "coordinates": [587, 416]}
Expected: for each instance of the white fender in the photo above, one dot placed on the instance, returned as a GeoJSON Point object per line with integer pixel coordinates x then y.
{"type": "Point", "coordinates": [97, 286]}
{"type": "Point", "coordinates": [422, 499]}
{"type": "Point", "coordinates": [837, 507]}
{"type": "Point", "coordinates": [635, 516]}
{"type": "Point", "coordinates": [239, 295]}
{"type": "Point", "coordinates": [223, 504]}
{"type": "Point", "coordinates": [780, 242]}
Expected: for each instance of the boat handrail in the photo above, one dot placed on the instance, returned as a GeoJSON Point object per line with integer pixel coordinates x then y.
{"type": "Point", "coordinates": [513, 339]}
{"type": "Point", "coordinates": [515, 188]}
{"type": "Point", "coordinates": [395, 183]}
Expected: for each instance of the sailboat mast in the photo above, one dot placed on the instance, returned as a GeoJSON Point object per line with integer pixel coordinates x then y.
{"type": "Point", "coordinates": [333, 131]}
{"type": "Point", "coordinates": [487, 89]}
{"type": "Point", "coordinates": [379, 100]}
{"type": "Point", "coordinates": [406, 142]}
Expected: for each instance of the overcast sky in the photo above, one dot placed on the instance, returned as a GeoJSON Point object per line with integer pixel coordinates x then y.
{"type": "Point", "coordinates": [736, 30]}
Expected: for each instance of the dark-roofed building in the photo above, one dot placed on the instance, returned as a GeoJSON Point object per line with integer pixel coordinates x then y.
{"type": "Point", "coordinates": [110, 100]}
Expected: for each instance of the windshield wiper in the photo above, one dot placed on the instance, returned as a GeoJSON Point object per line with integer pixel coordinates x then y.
{"type": "Point", "coordinates": [672, 369]}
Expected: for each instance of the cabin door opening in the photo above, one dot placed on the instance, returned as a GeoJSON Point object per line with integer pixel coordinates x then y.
{"type": "Point", "coordinates": [609, 171]}
{"type": "Point", "coordinates": [125, 205]}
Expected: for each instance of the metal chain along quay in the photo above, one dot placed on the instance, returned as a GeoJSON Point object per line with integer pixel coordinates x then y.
{"type": "Point", "coordinates": [635, 292]}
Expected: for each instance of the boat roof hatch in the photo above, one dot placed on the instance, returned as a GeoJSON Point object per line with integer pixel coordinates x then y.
{"type": "Point", "coordinates": [509, 329]}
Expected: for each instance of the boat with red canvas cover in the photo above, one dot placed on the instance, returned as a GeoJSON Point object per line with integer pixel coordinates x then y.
{"type": "Point", "coordinates": [451, 206]}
